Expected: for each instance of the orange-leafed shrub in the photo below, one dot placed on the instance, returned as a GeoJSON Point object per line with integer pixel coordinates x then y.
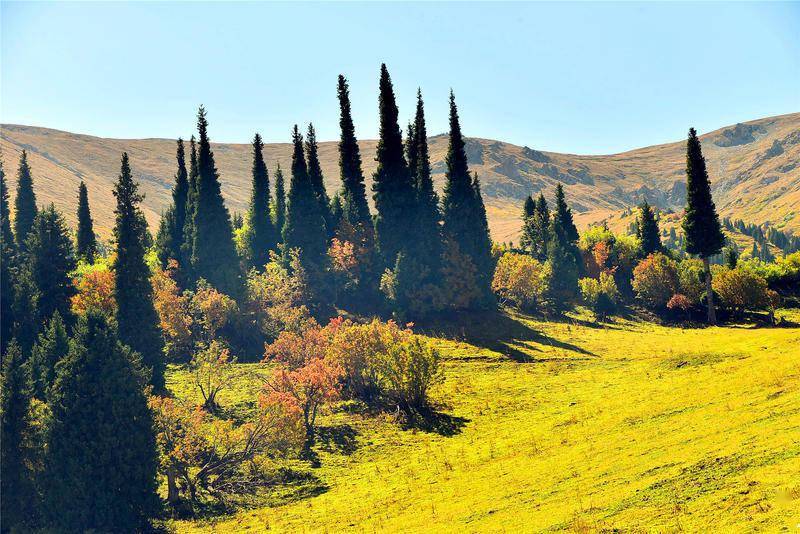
{"type": "Point", "coordinates": [95, 290]}
{"type": "Point", "coordinates": [679, 302]}
{"type": "Point", "coordinates": [519, 279]}
{"type": "Point", "coordinates": [202, 455]}
{"type": "Point", "coordinates": [173, 310]}
{"type": "Point", "coordinates": [216, 309]}
{"type": "Point", "coordinates": [655, 280]}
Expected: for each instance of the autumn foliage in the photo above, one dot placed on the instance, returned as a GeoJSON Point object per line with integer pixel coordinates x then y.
{"type": "Point", "coordinates": [95, 290]}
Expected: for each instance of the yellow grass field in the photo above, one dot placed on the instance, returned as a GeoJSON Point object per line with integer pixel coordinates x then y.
{"type": "Point", "coordinates": [565, 426]}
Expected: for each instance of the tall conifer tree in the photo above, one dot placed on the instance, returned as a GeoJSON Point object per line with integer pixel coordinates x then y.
{"type": "Point", "coordinates": [191, 207]}
{"type": "Point", "coordinates": [393, 190]}
{"type": "Point", "coordinates": [317, 180]}
{"type": "Point", "coordinates": [354, 196]}
{"type": "Point", "coordinates": [541, 229]}
{"type": "Point", "coordinates": [50, 348]}
{"type": "Point", "coordinates": [16, 485]}
{"type": "Point", "coordinates": [429, 235]}
{"type": "Point", "coordinates": [701, 227]}
{"type": "Point", "coordinates": [463, 211]}
{"type": "Point", "coordinates": [86, 242]}
{"type": "Point", "coordinates": [101, 458]}
{"type": "Point", "coordinates": [528, 212]}
{"type": "Point", "coordinates": [563, 214]}
{"type": "Point", "coordinates": [51, 259]}
{"type": "Point", "coordinates": [25, 202]}
{"type": "Point", "coordinates": [305, 224]}
{"type": "Point", "coordinates": [647, 232]}
{"type": "Point", "coordinates": [7, 252]}
{"type": "Point", "coordinates": [136, 317]}
{"type": "Point", "coordinates": [261, 235]}
{"type": "Point", "coordinates": [279, 206]}
{"type": "Point", "coordinates": [213, 252]}
{"type": "Point", "coordinates": [173, 223]}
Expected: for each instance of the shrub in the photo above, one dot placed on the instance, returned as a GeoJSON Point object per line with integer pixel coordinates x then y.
{"type": "Point", "coordinates": [172, 307]}
{"type": "Point", "coordinates": [276, 298]}
{"type": "Point", "coordinates": [95, 289]}
{"type": "Point", "coordinates": [655, 280]}
{"type": "Point", "coordinates": [783, 273]}
{"type": "Point", "coordinates": [691, 279]}
{"type": "Point", "coordinates": [740, 289]}
{"type": "Point", "coordinates": [213, 370]}
{"type": "Point", "coordinates": [305, 379]}
{"type": "Point", "coordinates": [354, 347]}
{"type": "Point", "coordinates": [519, 279]}
{"type": "Point", "coordinates": [600, 294]}
{"type": "Point", "coordinates": [203, 455]}
{"type": "Point", "coordinates": [679, 302]}
{"type": "Point", "coordinates": [215, 309]}
{"type": "Point", "coordinates": [407, 371]}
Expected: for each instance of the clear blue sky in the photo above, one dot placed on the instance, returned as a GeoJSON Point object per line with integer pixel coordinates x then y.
{"type": "Point", "coordinates": [581, 78]}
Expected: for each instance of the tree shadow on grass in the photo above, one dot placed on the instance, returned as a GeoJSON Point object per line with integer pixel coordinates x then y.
{"type": "Point", "coordinates": [499, 332]}
{"type": "Point", "coordinates": [430, 420]}
{"type": "Point", "coordinates": [339, 439]}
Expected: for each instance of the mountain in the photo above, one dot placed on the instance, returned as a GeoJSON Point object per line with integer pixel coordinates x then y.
{"type": "Point", "coordinates": [754, 169]}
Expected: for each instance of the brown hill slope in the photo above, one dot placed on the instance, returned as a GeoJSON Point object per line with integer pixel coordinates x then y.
{"type": "Point", "coordinates": [754, 168]}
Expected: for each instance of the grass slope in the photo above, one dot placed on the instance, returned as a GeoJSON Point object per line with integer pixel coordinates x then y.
{"type": "Point", "coordinates": [563, 426]}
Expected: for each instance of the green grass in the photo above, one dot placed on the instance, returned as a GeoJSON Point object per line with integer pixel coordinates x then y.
{"type": "Point", "coordinates": [562, 426]}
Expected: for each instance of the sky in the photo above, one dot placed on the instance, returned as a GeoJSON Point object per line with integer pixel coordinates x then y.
{"type": "Point", "coordinates": [585, 78]}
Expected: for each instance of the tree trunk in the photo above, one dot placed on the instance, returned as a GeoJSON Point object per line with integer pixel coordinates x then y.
{"type": "Point", "coordinates": [712, 315]}
{"type": "Point", "coordinates": [172, 488]}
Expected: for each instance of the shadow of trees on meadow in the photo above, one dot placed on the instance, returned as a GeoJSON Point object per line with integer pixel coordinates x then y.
{"type": "Point", "coordinates": [499, 331]}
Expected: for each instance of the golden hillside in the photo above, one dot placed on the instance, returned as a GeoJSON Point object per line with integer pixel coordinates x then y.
{"type": "Point", "coordinates": [753, 168]}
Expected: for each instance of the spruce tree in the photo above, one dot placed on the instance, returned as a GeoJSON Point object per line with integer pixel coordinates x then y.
{"type": "Point", "coordinates": [541, 229]}
{"type": "Point", "coordinates": [648, 234]}
{"type": "Point", "coordinates": [317, 180]}
{"type": "Point", "coordinates": [101, 458]}
{"type": "Point", "coordinates": [51, 347]}
{"type": "Point", "coordinates": [701, 228]}
{"type": "Point", "coordinates": [354, 196]}
{"type": "Point", "coordinates": [6, 234]}
{"type": "Point", "coordinates": [527, 238]}
{"type": "Point", "coordinates": [85, 240]}
{"type": "Point", "coordinates": [25, 203]}
{"type": "Point", "coordinates": [462, 207]}
{"type": "Point", "coordinates": [16, 484]}
{"type": "Point", "coordinates": [393, 191]}
{"type": "Point", "coordinates": [7, 253]}
{"type": "Point", "coordinates": [563, 214]}
{"type": "Point", "coordinates": [188, 225]}
{"type": "Point", "coordinates": [429, 236]}
{"type": "Point", "coordinates": [51, 259]}
{"type": "Point", "coordinates": [213, 252]}
{"type": "Point", "coordinates": [412, 154]}
{"type": "Point", "coordinates": [24, 310]}
{"type": "Point", "coordinates": [136, 317]}
{"type": "Point", "coordinates": [337, 210]}
{"type": "Point", "coordinates": [172, 231]}
{"type": "Point", "coordinates": [305, 224]}
{"type": "Point", "coordinates": [279, 206]}
{"type": "Point", "coordinates": [562, 287]}
{"type": "Point", "coordinates": [261, 237]}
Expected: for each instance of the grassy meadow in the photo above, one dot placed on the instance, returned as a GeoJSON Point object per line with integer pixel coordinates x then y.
{"type": "Point", "coordinates": [559, 426]}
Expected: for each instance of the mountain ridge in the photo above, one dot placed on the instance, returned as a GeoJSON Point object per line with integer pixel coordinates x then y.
{"type": "Point", "coordinates": [757, 160]}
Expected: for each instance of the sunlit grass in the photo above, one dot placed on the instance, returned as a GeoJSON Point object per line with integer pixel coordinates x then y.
{"type": "Point", "coordinates": [566, 426]}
